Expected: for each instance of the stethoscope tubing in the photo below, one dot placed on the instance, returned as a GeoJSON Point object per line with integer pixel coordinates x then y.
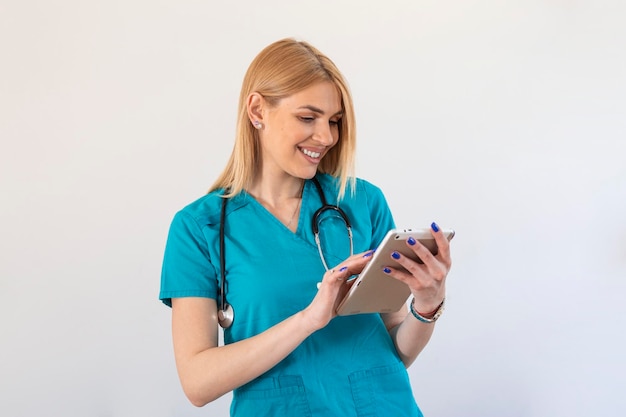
{"type": "Point", "coordinates": [226, 313]}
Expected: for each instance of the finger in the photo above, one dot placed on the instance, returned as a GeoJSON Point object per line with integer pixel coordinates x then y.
{"type": "Point", "coordinates": [431, 269]}
{"type": "Point", "coordinates": [443, 244]}
{"type": "Point", "coordinates": [351, 266]}
{"type": "Point", "coordinates": [420, 250]}
{"type": "Point", "coordinates": [335, 274]}
{"type": "Point", "coordinates": [332, 276]}
{"type": "Point", "coordinates": [415, 282]}
{"type": "Point", "coordinates": [362, 257]}
{"type": "Point", "coordinates": [366, 254]}
{"type": "Point", "coordinates": [341, 274]}
{"type": "Point", "coordinates": [356, 262]}
{"type": "Point", "coordinates": [412, 268]}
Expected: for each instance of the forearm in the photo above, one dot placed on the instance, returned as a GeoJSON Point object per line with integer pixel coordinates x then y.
{"type": "Point", "coordinates": [210, 373]}
{"type": "Point", "coordinates": [410, 337]}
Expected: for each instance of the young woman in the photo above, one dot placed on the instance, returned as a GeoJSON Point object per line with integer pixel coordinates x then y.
{"type": "Point", "coordinates": [245, 255]}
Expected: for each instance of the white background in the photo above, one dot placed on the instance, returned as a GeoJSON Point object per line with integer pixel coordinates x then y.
{"type": "Point", "coordinates": [505, 120]}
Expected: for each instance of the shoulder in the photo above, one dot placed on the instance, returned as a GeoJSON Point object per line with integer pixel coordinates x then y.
{"type": "Point", "coordinates": [207, 209]}
{"type": "Point", "coordinates": [204, 210]}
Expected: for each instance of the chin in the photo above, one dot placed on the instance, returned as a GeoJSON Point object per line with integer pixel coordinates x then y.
{"type": "Point", "coordinates": [307, 175]}
{"type": "Point", "coordinates": [304, 173]}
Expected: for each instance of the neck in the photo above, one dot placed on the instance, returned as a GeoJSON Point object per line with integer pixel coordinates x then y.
{"type": "Point", "coordinates": [281, 199]}
{"type": "Point", "coordinates": [275, 193]}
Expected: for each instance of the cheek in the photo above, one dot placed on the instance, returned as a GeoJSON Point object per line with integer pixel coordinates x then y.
{"type": "Point", "coordinates": [295, 130]}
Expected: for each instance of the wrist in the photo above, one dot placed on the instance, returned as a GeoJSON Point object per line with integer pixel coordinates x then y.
{"type": "Point", "coordinates": [426, 312]}
{"type": "Point", "coordinates": [309, 322]}
{"type": "Point", "coordinates": [429, 317]}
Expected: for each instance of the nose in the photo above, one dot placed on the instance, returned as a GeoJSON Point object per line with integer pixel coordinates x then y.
{"type": "Point", "coordinates": [324, 134]}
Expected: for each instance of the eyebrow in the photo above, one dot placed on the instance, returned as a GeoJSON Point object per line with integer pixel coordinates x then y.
{"type": "Point", "coordinates": [318, 110]}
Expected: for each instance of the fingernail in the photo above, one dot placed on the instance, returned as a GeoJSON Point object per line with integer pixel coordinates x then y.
{"type": "Point", "coordinates": [386, 270]}
{"type": "Point", "coordinates": [368, 254]}
{"type": "Point", "coordinates": [343, 269]}
{"type": "Point", "coordinates": [411, 241]}
{"type": "Point", "coordinates": [395, 255]}
{"type": "Point", "coordinates": [434, 227]}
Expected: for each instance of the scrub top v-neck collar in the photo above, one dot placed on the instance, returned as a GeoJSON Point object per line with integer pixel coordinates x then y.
{"type": "Point", "coordinates": [302, 215]}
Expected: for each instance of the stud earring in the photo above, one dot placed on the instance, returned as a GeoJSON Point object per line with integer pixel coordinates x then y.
{"type": "Point", "coordinates": [257, 124]}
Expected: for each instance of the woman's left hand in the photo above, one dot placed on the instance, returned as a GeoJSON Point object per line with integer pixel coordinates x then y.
{"type": "Point", "coordinates": [428, 280]}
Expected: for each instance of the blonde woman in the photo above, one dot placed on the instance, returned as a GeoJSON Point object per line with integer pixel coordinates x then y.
{"type": "Point", "coordinates": [245, 257]}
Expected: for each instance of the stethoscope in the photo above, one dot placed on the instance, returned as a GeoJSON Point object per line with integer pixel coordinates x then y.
{"type": "Point", "coordinates": [226, 314]}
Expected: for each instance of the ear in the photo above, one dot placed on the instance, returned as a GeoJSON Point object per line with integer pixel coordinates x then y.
{"type": "Point", "coordinates": [255, 105]}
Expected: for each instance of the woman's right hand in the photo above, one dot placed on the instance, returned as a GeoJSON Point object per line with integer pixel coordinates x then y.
{"type": "Point", "coordinates": [333, 289]}
{"type": "Point", "coordinates": [207, 371]}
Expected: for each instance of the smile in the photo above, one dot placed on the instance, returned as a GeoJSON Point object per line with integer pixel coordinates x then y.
{"type": "Point", "coordinates": [310, 153]}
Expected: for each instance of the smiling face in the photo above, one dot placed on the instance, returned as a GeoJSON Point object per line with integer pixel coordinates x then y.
{"type": "Point", "coordinates": [298, 131]}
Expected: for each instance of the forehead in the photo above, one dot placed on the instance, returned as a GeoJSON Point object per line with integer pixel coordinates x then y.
{"type": "Point", "coordinates": [324, 96]}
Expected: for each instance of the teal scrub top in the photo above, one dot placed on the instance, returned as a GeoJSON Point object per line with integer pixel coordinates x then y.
{"type": "Point", "coordinates": [348, 368]}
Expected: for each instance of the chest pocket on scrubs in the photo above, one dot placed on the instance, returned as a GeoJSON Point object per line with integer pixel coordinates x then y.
{"type": "Point", "coordinates": [281, 396]}
{"type": "Point", "coordinates": [334, 238]}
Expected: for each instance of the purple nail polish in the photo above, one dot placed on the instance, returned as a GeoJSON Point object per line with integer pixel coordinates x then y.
{"type": "Point", "coordinates": [410, 241]}
{"type": "Point", "coordinates": [368, 254]}
{"type": "Point", "coordinates": [434, 227]}
{"type": "Point", "coordinates": [386, 270]}
{"type": "Point", "coordinates": [343, 268]}
{"type": "Point", "coordinates": [395, 255]}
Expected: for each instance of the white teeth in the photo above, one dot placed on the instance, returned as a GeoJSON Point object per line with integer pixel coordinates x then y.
{"type": "Point", "coordinates": [311, 153]}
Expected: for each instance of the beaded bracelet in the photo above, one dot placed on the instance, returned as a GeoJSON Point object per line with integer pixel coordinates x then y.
{"type": "Point", "coordinates": [438, 312]}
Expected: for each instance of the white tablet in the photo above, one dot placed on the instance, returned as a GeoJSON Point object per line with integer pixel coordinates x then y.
{"type": "Point", "coordinates": [376, 292]}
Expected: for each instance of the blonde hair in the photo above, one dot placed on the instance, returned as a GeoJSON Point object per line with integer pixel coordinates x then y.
{"type": "Point", "coordinates": [281, 69]}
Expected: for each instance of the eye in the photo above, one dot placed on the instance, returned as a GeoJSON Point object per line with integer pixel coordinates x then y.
{"type": "Point", "coordinates": [335, 122]}
{"type": "Point", "coordinates": [307, 119]}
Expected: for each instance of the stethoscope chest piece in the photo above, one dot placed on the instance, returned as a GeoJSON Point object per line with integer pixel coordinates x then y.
{"type": "Point", "coordinates": [225, 316]}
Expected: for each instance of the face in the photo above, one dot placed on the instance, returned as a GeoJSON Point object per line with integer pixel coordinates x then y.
{"type": "Point", "coordinates": [299, 131]}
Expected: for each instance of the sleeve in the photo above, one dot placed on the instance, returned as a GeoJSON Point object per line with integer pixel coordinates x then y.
{"type": "Point", "coordinates": [380, 214]}
{"type": "Point", "coordinates": [187, 269]}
